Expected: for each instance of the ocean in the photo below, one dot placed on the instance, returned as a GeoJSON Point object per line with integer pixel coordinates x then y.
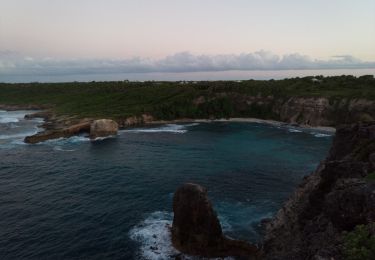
{"type": "Point", "coordinates": [188, 76]}
{"type": "Point", "coordinates": [77, 199]}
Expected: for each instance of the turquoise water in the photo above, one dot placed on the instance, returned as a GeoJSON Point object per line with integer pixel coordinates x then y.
{"type": "Point", "coordinates": [72, 198]}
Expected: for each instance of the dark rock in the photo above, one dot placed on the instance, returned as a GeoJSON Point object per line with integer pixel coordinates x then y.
{"type": "Point", "coordinates": [335, 198]}
{"type": "Point", "coordinates": [372, 161]}
{"type": "Point", "coordinates": [41, 114]}
{"type": "Point", "coordinates": [350, 203]}
{"type": "Point", "coordinates": [196, 229]}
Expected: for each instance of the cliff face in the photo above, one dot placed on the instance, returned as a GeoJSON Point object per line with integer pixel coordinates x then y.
{"type": "Point", "coordinates": [320, 111]}
{"type": "Point", "coordinates": [313, 111]}
{"type": "Point", "coordinates": [335, 198]}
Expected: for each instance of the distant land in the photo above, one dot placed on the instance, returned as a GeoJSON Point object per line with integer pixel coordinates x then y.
{"type": "Point", "coordinates": [189, 76]}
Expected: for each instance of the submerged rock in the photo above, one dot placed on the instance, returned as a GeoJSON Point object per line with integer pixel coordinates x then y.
{"type": "Point", "coordinates": [196, 229]}
{"type": "Point", "coordinates": [103, 128]}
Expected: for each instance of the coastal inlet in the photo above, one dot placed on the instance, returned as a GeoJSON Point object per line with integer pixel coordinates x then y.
{"type": "Point", "coordinates": [74, 198]}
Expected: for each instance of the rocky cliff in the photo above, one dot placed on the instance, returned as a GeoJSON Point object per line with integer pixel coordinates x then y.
{"type": "Point", "coordinates": [312, 111]}
{"type": "Point", "coordinates": [333, 200]}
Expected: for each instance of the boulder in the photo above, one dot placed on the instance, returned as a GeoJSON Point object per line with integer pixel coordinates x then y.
{"type": "Point", "coordinates": [196, 229]}
{"type": "Point", "coordinates": [103, 128]}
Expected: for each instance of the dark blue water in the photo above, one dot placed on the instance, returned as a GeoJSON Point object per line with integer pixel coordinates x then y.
{"type": "Point", "coordinates": [72, 198]}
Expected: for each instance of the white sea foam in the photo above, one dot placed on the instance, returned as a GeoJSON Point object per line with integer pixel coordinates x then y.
{"type": "Point", "coordinates": [293, 130]}
{"type": "Point", "coordinates": [103, 138]}
{"type": "Point", "coordinates": [320, 134]}
{"type": "Point", "coordinates": [5, 120]}
{"type": "Point", "coordinates": [64, 141]}
{"type": "Point", "coordinates": [169, 128]}
{"type": "Point", "coordinates": [306, 130]}
{"type": "Point", "coordinates": [17, 136]}
{"type": "Point", "coordinates": [11, 116]}
{"type": "Point", "coordinates": [60, 149]}
{"type": "Point", "coordinates": [154, 236]}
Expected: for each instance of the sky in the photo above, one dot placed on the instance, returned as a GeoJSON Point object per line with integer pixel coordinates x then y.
{"type": "Point", "coordinates": [67, 37]}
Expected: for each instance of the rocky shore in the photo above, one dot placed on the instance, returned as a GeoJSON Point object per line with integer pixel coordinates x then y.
{"type": "Point", "coordinates": [333, 200]}
{"type": "Point", "coordinates": [307, 112]}
{"type": "Point", "coordinates": [65, 127]}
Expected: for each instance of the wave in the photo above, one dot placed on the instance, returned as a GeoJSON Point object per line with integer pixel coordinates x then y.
{"type": "Point", "coordinates": [60, 149]}
{"type": "Point", "coordinates": [103, 138]}
{"type": "Point", "coordinates": [64, 140]}
{"type": "Point", "coordinates": [306, 130]}
{"type": "Point", "coordinates": [169, 128]}
{"type": "Point", "coordinates": [321, 134]}
{"type": "Point", "coordinates": [5, 120]}
{"type": "Point", "coordinates": [11, 116]}
{"type": "Point", "coordinates": [154, 236]}
{"type": "Point", "coordinates": [293, 130]}
{"type": "Point", "coordinates": [16, 136]}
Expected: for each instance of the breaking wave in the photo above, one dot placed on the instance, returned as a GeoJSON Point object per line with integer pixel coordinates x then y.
{"type": "Point", "coordinates": [154, 236]}
{"type": "Point", "coordinates": [169, 128]}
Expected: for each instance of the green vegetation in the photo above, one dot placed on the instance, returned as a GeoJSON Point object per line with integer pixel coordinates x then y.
{"type": "Point", "coordinates": [370, 176]}
{"type": "Point", "coordinates": [359, 244]}
{"type": "Point", "coordinates": [170, 100]}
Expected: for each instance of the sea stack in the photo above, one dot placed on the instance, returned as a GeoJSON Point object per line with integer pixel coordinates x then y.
{"type": "Point", "coordinates": [103, 128]}
{"type": "Point", "coordinates": [196, 229]}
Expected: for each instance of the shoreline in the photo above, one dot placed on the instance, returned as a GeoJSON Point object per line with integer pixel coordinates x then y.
{"type": "Point", "coordinates": [328, 129]}
{"type": "Point", "coordinates": [56, 127]}
{"type": "Point", "coordinates": [43, 110]}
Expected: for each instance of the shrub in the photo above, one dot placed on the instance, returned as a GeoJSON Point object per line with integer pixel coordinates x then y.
{"type": "Point", "coordinates": [359, 244]}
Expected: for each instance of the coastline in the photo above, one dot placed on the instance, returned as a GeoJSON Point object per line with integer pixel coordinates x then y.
{"type": "Point", "coordinates": [243, 120]}
{"type": "Point", "coordinates": [59, 126]}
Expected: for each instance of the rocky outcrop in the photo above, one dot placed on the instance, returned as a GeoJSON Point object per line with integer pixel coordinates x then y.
{"type": "Point", "coordinates": [335, 198]}
{"type": "Point", "coordinates": [65, 128]}
{"type": "Point", "coordinates": [83, 127]}
{"type": "Point", "coordinates": [103, 128]}
{"type": "Point", "coordinates": [196, 229]}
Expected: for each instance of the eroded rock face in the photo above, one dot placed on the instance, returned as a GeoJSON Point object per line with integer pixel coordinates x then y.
{"type": "Point", "coordinates": [335, 198]}
{"type": "Point", "coordinates": [103, 128]}
{"type": "Point", "coordinates": [196, 229]}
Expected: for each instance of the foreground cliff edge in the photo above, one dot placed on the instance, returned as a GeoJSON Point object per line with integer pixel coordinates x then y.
{"type": "Point", "coordinates": [334, 201]}
{"type": "Point", "coordinates": [336, 198]}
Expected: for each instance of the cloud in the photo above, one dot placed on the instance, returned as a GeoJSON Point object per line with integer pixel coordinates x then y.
{"type": "Point", "coordinates": [13, 63]}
